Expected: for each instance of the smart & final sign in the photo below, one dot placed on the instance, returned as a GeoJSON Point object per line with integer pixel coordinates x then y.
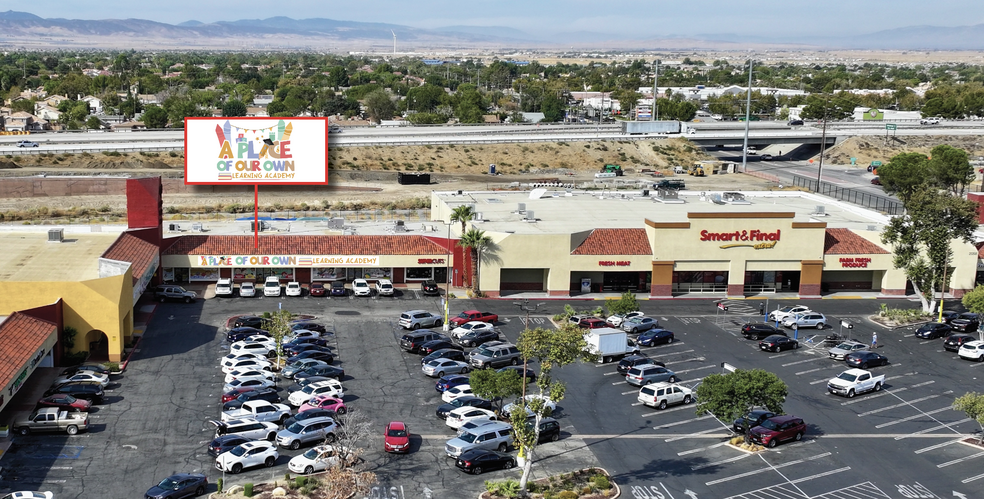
{"type": "Point", "coordinates": [855, 263]}
{"type": "Point", "coordinates": [756, 239]}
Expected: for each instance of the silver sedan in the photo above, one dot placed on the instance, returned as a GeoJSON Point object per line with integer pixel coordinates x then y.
{"type": "Point", "coordinates": [439, 367]}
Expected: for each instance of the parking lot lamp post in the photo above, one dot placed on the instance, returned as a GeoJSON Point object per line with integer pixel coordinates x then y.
{"type": "Point", "coordinates": [447, 277]}
{"type": "Point", "coordinates": [526, 307]}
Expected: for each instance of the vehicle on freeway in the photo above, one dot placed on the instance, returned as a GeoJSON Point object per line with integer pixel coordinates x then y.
{"type": "Point", "coordinates": [360, 287]}
{"type": "Point", "coordinates": [933, 330]}
{"type": "Point", "coordinates": [309, 414]}
{"type": "Point", "coordinates": [93, 376]}
{"type": "Point", "coordinates": [450, 381]}
{"type": "Point", "coordinates": [661, 395]}
{"type": "Point", "coordinates": [478, 461]}
{"type": "Point", "coordinates": [655, 337]}
{"type": "Point", "coordinates": [258, 363]}
{"type": "Point", "coordinates": [795, 123]}
{"type": "Point", "coordinates": [767, 157]}
{"type": "Point", "coordinates": [293, 289]}
{"type": "Point", "coordinates": [307, 431]}
{"type": "Point", "coordinates": [327, 402]}
{"type": "Point", "coordinates": [52, 419]}
{"type": "Point", "coordinates": [649, 373]}
{"type": "Point", "coordinates": [435, 345]}
{"type": "Point", "coordinates": [967, 322]}
{"type": "Point", "coordinates": [247, 455]}
{"type": "Point", "coordinates": [247, 428]}
{"type": "Point", "coordinates": [260, 410]}
{"type": "Point", "coordinates": [317, 289]}
{"type": "Point", "coordinates": [26, 143]}
{"type": "Point", "coordinates": [338, 288]}
{"type": "Point", "coordinates": [854, 381]}
{"type": "Point", "coordinates": [758, 331]}
{"type": "Point", "coordinates": [247, 290]}
{"type": "Point", "coordinates": [528, 373]}
{"type": "Point", "coordinates": [617, 319]}
{"type": "Point", "coordinates": [249, 373]}
{"type": "Point", "coordinates": [496, 436]}
{"type": "Point", "coordinates": [973, 350]}
{"type": "Point", "coordinates": [325, 371]}
{"type": "Point", "coordinates": [429, 288]}
{"type": "Point", "coordinates": [635, 360]}
{"type": "Point", "coordinates": [311, 326]}
{"type": "Point", "coordinates": [444, 353]}
{"type": "Point", "coordinates": [468, 400]}
{"type": "Point", "coordinates": [473, 315]}
{"type": "Point", "coordinates": [751, 420]}
{"type": "Point", "coordinates": [65, 402]}
{"type": "Point", "coordinates": [298, 366]}
{"type": "Point", "coordinates": [384, 287]}
{"type": "Point", "coordinates": [462, 415]}
{"type": "Point", "coordinates": [777, 429]}
{"type": "Point", "coordinates": [178, 486]}
{"type": "Point", "coordinates": [865, 359]}
{"type": "Point", "coordinates": [844, 348]}
{"type": "Point", "coordinates": [416, 319]}
{"type": "Point", "coordinates": [225, 443]}
{"type": "Point", "coordinates": [806, 319]}
{"type": "Point", "coordinates": [412, 341]}
{"type": "Point", "coordinates": [249, 383]}
{"type": "Point", "coordinates": [86, 390]}
{"type": "Point", "coordinates": [930, 121]}
{"type": "Point", "coordinates": [543, 399]}
{"type": "Point", "coordinates": [438, 368]}
{"type": "Point", "coordinates": [777, 343]}
{"type": "Point", "coordinates": [396, 437]}
{"type": "Point", "coordinates": [271, 286]}
{"type": "Point", "coordinates": [955, 341]}
{"type": "Point", "coordinates": [331, 387]}
{"type": "Point", "coordinates": [315, 459]}
{"type": "Point", "coordinates": [251, 321]}
{"type": "Point", "coordinates": [224, 287]}
{"type": "Point", "coordinates": [780, 314]}
{"type": "Point", "coordinates": [876, 181]}
{"type": "Point", "coordinates": [455, 392]}
{"type": "Point", "coordinates": [639, 324]}
{"type": "Point", "coordinates": [251, 393]}
{"type": "Point", "coordinates": [469, 327]}
{"type": "Point", "coordinates": [171, 292]}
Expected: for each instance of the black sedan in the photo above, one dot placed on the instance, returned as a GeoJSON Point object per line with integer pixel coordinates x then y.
{"type": "Point", "coordinates": [530, 375]}
{"type": "Point", "coordinates": [967, 322]}
{"type": "Point", "coordinates": [476, 338]}
{"type": "Point", "coordinates": [949, 315]}
{"type": "Point", "coordinates": [756, 331]}
{"type": "Point", "coordinates": [430, 288]}
{"type": "Point", "coordinates": [477, 461]}
{"type": "Point", "coordinates": [435, 345]}
{"type": "Point", "coordinates": [865, 359]}
{"type": "Point", "coordinates": [751, 420]}
{"type": "Point", "coordinates": [444, 353]}
{"type": "Point", "coordinates": [631, 361]}
{"type": "Point", "coordinates": [268, 394]}
{"type": "Point", "coordinates": [301, 383]}
{"type": "Point", "coordinates": [655, 337]}
{"type": "Point", "coordinates": [933, 330]}
{"type": "Point", "coordinates": [776, 343]}
{"type": "Point", "coordinates": [312, 354]}
{"type": "Point", "coordinates": [241, 333]}
{"type": "Point", "coordinates": [955, 341]}
{"type": "Point", "coordinates": [309, 340]}
{"type": "Point", "coordinates": [466, 401]}
{"type": "Point", "coordinates": [179, 486]}
{"type": "Point", "coordinates": [293, 349]}
{"type": "Point", "coordinates": [310, 326]}
{"type": "Point", "coordinates": [308, 414]}
{"type": "Point", "coordinates": [250, 321]}
{"type": "Point", "coordinates": [324, 371]}
{"type": "Point", "coordinates": [225, 443]}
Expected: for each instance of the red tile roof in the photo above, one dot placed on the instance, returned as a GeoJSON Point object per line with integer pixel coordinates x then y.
{"type": "Point", "coordinates": [130, 248]}
{"type": "Point", "coordinates": [615, 242]}
{"type": "Point", "coordinates": [20, 338]}
{"type": "Point", "coordinates": [305, 245]}
{"type": "Point", "coordinates": [845, 242]}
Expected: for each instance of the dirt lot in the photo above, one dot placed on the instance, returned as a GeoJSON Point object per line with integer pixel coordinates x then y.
{"type": "Point", "coordinates": [868, 149]}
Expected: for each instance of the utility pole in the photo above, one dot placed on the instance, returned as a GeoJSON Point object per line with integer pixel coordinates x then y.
{"type": "Point", "coordinates": [655, 110]}
{"type": "Point", "coordinates": [526, 307]}
{"type": "Point", "coordinates": [823, 139]}
{"type": "Point", "coordinates": [748, 117]}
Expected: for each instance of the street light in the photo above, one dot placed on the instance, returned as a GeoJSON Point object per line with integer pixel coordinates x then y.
{"type": "Point", "coordinates": [447, 276]}
{"type": "Point", "coordinates": [526, 307]}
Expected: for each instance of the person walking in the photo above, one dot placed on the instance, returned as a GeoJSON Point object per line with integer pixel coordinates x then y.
{"type": "Point", "coordinates": [874, 339]}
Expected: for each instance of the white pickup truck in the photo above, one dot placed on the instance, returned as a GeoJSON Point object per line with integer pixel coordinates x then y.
{"type": "Point", "coordinates": [854, 381]}
{"type": "Point", "coordinates": [260, 410]}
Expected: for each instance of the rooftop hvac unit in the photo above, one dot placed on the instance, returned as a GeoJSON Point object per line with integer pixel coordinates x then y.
{"type": "Point", "coordinates": [530, 216]}
{"type": "Point", "coordinates": [56, 235]}
{"type": "Point", "coordinates": [478, 216]}
{"type": "Point", "coordinates": [821, 210]}
{"type": "Point", "coordinates": [873, 228]}
{"type": "Point", "coordinates": [521, 208]}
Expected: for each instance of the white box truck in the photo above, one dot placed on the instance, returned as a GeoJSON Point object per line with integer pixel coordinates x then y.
{"type": "Point", "coordinates": [609, 343]}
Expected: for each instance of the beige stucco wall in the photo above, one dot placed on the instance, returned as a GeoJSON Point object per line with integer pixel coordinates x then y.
{"type": "Point", "coordinates": [527, 251]}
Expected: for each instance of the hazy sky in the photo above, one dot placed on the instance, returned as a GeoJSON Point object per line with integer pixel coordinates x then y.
{"type": "Point", "coordinates": [627, 17]}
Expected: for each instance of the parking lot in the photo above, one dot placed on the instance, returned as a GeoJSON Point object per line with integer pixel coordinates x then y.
{"type": "Point", "coordinates": [900, 442]}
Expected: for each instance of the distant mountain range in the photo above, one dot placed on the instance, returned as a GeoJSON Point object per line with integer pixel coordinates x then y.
{"type": "Point", "coordinates": [25, 30]}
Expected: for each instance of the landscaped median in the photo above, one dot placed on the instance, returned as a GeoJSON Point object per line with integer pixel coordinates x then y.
{"type": "Point", "coordinates": [589, 483]}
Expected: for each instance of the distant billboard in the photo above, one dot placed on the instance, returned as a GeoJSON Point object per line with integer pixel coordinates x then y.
{"type": "Point", "coordinates": [644, 113]}
{"type": "Point", "coordinates": [268, 151]}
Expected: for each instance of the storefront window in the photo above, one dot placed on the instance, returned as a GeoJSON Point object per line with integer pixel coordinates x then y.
{"type": "Point", "coordinates": [327, 274]}
{"type": "Point", "coordinates": [371, 273]}
{"type": "Point", "coordinates": [204, 275]}
{"type": "Point", "coordinates": [286, 274]}
{"type": "Point", "coordinates": [244, 274]}
{"type": "Point", "coordinates": [420, 273]}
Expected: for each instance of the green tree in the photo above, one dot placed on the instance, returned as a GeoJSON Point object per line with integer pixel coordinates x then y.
{"type": "Point", "coordinates": [972, 404]}
{"type": "Point", "coordinates": [951, 169]}
{"type": "Point", "coordinates": [627, 303]}
{"type": "Point", "coordinates": [829, 107]}
{"type": "Point", "coordinates": [496, 386]}
{"type": "Point", "coordinates": [233, 108]}
{"type": "Point", "coordinates": [905, 174]}
{"type": "Point", "coordinates": [155, 117]}
{"type": "Point", "coordinates": [730, 396]}
{"type": "Point", "coordinates": [462, 214]}
{"type": "Point", "coordinates": [93, 123]}
{"type": "Point", "coordinates": [475, 240]}
{"type": "Point", "coordinates": [974, 300]}
{"type": "Point", "coordinates": [550, 348]}
{"type": "Point", "coordinates": [379, 106]}
{"type": "Point", "coordinates": [279, 325]}
{"type": "Point", "coordinates": [627, 99]}
{"type": "Point", "coordinates": [553, 108]}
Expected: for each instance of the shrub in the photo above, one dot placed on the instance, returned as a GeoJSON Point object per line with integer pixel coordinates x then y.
{"type": "Point", "coordinates": [300, 481]}
{"type": "Point", "coordinates": [219, 484]}
{"type": "Point", "coordinates": [508, 488]}
{"type": "Point", "coordinates": [248, 490]}
{"type": "Point", "coordinates": [601, 482]}
{"type": "Point", "coordinates": [113, 366]}
{"type": "Point", "coordinates": [173, 154]}
{"type": "Point", "coordinates": [567, 494]}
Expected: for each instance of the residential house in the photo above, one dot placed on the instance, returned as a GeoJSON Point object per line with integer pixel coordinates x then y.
{"type": "Point", "coordinates": [55, 100]}
{"type": "Point", "coordinates": [147, 99]}
{"type": "Point", "coordinates": [262, 100]}
{"type": "Point", "coordinates": [38, 93]}
{"type": "Point", "coordinates": [254, 112]}
{"type": "Point", "coordinates": [128, 126]}
{"type": "Point", "coordinates": [46, 112]}
{"type": "Point", "coordinates": [108, 120]}
{"type": "Point", "coordinates": [95, 104]}
{"type": "Point", "coordinates": [24, 122]}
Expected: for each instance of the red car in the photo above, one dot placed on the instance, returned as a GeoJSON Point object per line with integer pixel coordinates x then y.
{"type": "Point", "coordinates": [227, 396]}
{"type": "Point", "coordinates": [316, 289]}
{"type": "Point", "coordinates": [777, 429]}
{"type": "Point", "coordinates": [65, 401]}
{"type": "Point", "coordinates": [396, 438]}
{"type": "Point", "coordinates": [593, 323]}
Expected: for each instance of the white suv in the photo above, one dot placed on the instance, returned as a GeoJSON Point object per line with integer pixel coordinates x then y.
{"type": "Point", "coordinates": [293, 288]}
{"type": "Point", "coordinates": [247, 455]}
{"type": "Point", "coordinates": [929, 121]}
{"type": "Point", "coordinates": [660, 395]}
{"type": "Point", "coordinates": [384, 287]}
{"type": "Point", "coordinates": [360, 287]}
{"type": "Point", "coordinates": [781, 314]}
{"type": "Point", "coordinates": [223, 287]}
{"type": "Point", "coordinates": [271, 287]}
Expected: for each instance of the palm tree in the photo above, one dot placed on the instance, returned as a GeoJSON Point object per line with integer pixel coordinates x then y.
{"type": "Point", "coordinates": [462, 214]}
{"type": "Point", "coordinates": [474, 240]}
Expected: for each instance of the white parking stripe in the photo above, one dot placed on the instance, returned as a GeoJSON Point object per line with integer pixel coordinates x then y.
{"type": "Point", "coordinates": [910, 418]}
{"type": "Point", "coordinates": [924, 383]}
{"type": "Point", "coordinates": [664, 411]}
{"type": "Point", "coordinates": [810, 371]}
{"type": "Point", "coordinates": [929, 430]}
{"type": "Point", "coordinates": [869, 397]}
{"type": "Point", "coordinates": [799, 362]}
{"type": "Point", "coordinates": [723, 461]}
{"type": "Point", "coordinates": [685, 421]}
{"type": "Point", "coordinates": [962, 459]}
{"type": "Point", "coordinates": [701, 449]}
{"type": "Point", "coordinates": [630, 392]}
{"type": "Point", "coordinates": [762, 470]}
{"type": "Point", "coordinates": [696, 369]}
{"type": "Point", "coordinates": [821, 475]}
{"type": "Point", "coordinates": [896, 406]}
{"type": "Point", "coordinates": [682, 437]}
{"type": "Point", "coordinates": [971, 479]}
{"type": "Point", "coordinates": [937, 446]}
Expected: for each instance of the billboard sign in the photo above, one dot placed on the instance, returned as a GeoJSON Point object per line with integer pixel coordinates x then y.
{"type": "Point", "coordinates": [265, 151]}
